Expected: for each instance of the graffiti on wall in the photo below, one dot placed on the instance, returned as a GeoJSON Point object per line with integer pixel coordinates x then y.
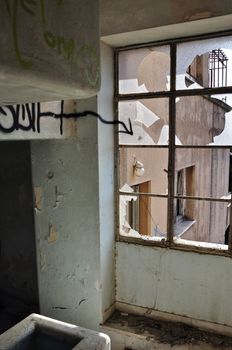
{"type": "Point", "coordinates": [84, 57]}
{"type": "Point", "coordinates": [27, 117]}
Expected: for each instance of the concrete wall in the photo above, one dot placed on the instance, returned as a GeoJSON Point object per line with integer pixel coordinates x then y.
{"type": "Point", "coordinates": [188, 284]}
{"type": "Point", "coordinates": [74, 182]}
{"type": "Point", "coordinates": [120, 16]}
{"type": "Point", "coordinates": [127, 22]}
{"type": "Point", "coordinates": [67, 225]}
{"type": "Point", "coordinates": [43, 58]}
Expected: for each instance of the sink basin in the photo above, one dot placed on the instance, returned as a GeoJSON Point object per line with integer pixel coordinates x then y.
{"type": "Point", "coordinates": [38, 332]}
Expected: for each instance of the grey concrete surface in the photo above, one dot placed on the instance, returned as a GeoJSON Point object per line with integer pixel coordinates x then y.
{"type": "Point", "coordinates": [42, 333]}
{"type": "Point", "coordinates": [49, 50]}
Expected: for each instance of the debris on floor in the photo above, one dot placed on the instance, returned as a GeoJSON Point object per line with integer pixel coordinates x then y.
{"type": "Point", "coordinates": [173, 333]}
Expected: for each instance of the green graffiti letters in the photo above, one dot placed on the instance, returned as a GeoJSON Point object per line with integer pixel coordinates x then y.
{"type": "Point", "coordinates": [25, 63]}
{"type": "Point", "coordinates": [85, 57]}
{"type": "Point", "coordinates": [62, 45]}
{"type": "Point", "coordinates": [88, 55]}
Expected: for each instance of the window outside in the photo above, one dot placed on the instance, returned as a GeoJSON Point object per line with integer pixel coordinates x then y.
{"type": "Point", "coordinates": [175, 170]}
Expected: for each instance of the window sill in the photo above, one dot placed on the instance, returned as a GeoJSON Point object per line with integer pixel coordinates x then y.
{"type": "Point", "coordinates": [177, 244]}
{"type": "Point", "coordinates": [132, 234]}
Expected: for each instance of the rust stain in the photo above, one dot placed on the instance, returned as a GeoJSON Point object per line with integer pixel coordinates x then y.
{"type": "Point", "coordinates": [52, 235]}
{"type": "Point", "coordinates": [42, 260]}
{"type": "Point", "coordinates": [38, 198]}
{"type": "Point", "coordinates": [199, 15]}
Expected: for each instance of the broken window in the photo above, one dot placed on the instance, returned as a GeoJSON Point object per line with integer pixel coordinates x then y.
{"type": "Point", "coordinates": [175, 170]}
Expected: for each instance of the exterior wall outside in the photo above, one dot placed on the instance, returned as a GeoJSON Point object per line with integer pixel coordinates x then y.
{"type": "Point", "coordinates": [198, 120]}
{"type": "Point", "coordinates": [155, 161]}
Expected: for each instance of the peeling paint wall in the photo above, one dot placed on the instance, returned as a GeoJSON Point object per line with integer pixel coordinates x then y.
{"type": "Point", "coordinates": [67, 224]}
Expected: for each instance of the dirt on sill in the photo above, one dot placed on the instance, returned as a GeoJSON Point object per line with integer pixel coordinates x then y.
{"type": "Point", "coordinates": [173, 333]}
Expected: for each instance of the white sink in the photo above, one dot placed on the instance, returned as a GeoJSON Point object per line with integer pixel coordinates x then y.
{"type": "Point", "coordinates": [38, 332]}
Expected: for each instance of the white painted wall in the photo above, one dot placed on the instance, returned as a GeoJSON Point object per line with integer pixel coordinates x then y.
{"type": "Point", "coordinates": [188, 284]}
{"type": "Point", "coordinates": [75, 224]}
{"type": "Point", "coordinates": [67, 225]}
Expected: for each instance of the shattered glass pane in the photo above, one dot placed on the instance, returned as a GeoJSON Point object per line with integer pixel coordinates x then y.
{"type": "Point", "coordinates": [144, 70]}
{"type": "Point", "coordinates": [142, 216]}
{"type": "Point", "coordinates": [204, 63]}
{"type": "Point", "coordinates": [149, 119]}
{"type": "Point", "coordinates": [152, 161]}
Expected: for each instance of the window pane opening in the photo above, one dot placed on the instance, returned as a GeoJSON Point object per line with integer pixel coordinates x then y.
{"type": "Point", "coordinates": [197, 175]}
{"type": "Point", "coordinates": [144, 70]}
{"type": "Point", "coordinates": [138, 166]}
{"type": "Point", "coordinates": [203, 172]}
{"type": "Point", "coordinates": [143, 216]}
{"type": "Point", "coordinates": [204, 63]}
{"type": "Point", "coordinates": [204, 120]}
{"type": "Point", "coordinates": [149, 118]}
{"type": "Point", "coordinates": [209, 224]}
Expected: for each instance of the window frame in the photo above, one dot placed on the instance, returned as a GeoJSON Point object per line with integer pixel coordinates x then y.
{"type": "Point", "coordinates": [172, 94]}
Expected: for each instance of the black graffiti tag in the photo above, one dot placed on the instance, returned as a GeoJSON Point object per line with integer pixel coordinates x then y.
{"type": "Point", "coordinates": [31, 115]}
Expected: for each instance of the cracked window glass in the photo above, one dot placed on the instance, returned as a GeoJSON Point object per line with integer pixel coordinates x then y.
{"type": "Point", "coordinates": [142, 216]}
{"type": "Point", "coordinates": [150, 121]}
{"type": "Point", "coordinates": [144, 70]}
{"type": "Point", "coordinates": [204, 63]}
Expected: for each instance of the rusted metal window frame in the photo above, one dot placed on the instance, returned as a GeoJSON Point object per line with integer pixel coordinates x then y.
{"type": "Point", "coordinates": [172, 94]}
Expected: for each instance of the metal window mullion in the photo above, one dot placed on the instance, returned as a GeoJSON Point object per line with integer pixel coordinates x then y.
{"type": "Point", "coordinates": [156, 195]}
{"type": "Point", "coordinates": [177, 93]}
{"type": "Point", "coordinates": [138, 194]}
{"type": "Point", "coordinates": [214, 146]}
{"type": "Point", "coordinates": [171, 153]}
{"type": "Point", "coordinates": [116, 150]}
{"type": "Point", "coordinates": [230, 231]}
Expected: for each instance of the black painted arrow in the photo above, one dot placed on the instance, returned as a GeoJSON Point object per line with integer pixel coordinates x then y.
{"type": "Point", "coordinates": [61, 115]}
{"type": "Point", "coordinates": [94, 114]}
